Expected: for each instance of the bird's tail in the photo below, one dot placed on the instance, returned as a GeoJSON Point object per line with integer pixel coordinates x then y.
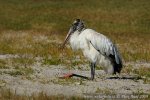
{"type": "Point", "coordinates": [117, 61]}
{"type": "Point", "coordinates": [117, 67]}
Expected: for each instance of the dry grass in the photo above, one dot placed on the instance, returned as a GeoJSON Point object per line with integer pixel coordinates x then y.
{"type": "Point", "coordinates": [8, 95]}
{"type": "Point", "coordinates": [141, 72]}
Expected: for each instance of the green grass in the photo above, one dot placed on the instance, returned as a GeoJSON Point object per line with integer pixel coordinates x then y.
{"type": "Point", "coordinates": [106, 16]}
{"type": "Point", "coordinates": [3, 64]}
{"type": "Point", "coordinates": [22, 61]}
{"type": "Point", "coordinates": [52, 61]}
{"type": "Point", "coordinates": [20, 71]}
{"type": "Point", "coordinates": [126, 22]}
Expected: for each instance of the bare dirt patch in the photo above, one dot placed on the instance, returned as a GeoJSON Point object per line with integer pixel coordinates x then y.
{"type": "Point", "coordinates": [45, 78]}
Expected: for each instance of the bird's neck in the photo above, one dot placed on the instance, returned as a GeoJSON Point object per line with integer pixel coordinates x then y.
{"type": "Point", "coordinates": [80, 31]}
{"type": "Point", "coordinates": [74, 40]}
{"type": "Point", "coordinates": [75, 35]}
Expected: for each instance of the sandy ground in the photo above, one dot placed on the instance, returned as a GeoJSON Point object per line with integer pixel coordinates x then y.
{"type": "Point", "coordinates": [46, 79]}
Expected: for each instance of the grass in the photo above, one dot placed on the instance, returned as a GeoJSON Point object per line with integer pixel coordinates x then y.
{"type": "Point", "coordinates": [52, 61]}
{"type": "Point", "coordinates": [127, 23]}
{"type": "Point", "coordinates": [20, 71]}
{"type": "Point", "coordinates": [3, 64]}
{"type": "Point", "coordinates": [69, 81]}
{"type": "Point", "coordinates": [9, 95]}
{"type": "Point", "coordinates": [22, 61]}
{"type": "Point", "coordinates": [52, 15]}
{"type": "Point", "coordinates": [36, 28]}
{"type": "Point", "coordinates": [142, 72]}
{"type": "Point", "coordinates": [104, 91]}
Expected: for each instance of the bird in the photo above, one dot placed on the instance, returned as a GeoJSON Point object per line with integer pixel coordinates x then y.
{"type": "Point", "coordinates": [96, 47]}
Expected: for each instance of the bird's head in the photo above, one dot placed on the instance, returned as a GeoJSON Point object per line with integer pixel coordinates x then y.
{"type": "Point", "coordinates": [77, 25]}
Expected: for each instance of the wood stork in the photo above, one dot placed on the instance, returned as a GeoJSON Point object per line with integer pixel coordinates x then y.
{"type": "Point", "coordinates": [96, 47]}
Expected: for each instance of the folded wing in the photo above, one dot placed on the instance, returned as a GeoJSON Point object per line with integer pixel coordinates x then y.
{"type": "Point", "coordinates": [105, 47]}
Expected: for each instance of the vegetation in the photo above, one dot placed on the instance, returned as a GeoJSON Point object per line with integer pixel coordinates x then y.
{"type": "Point", "coordinates": [2, 64]}
{"type": "Point", "coordinates": [142, 72]}
{"type": "Point", "coordinates": [7, 95]}
{"type": "Point", "coordinates": [20, 71]}
{"type": "Point", "coordinates": [126, 22]}
{"type": "Point", "coordinates": [36, 28]}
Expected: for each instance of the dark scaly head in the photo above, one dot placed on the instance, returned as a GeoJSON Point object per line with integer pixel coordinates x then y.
{"type": "Point", "coordinates": [77, 25]}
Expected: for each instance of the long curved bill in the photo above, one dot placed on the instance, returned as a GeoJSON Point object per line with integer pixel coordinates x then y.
{"type": "Point", "coordinates": [67, 37]}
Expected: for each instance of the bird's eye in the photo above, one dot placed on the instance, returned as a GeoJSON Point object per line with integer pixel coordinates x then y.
{"type": "Point", "coordinates": [75, 24]}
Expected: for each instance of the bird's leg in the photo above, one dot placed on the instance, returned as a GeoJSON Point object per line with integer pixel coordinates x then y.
{"type": "Point", "coordinates": [92, 70]}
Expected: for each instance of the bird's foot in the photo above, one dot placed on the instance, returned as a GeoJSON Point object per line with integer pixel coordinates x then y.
{"type": "Point", "coordinates": [67, 75]}
{"type": "Point", "coordinates": [91, 78]}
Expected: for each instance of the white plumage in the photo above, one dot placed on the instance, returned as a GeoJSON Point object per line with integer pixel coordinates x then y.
{"type": "Point", "coordinates": [96, 47]}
